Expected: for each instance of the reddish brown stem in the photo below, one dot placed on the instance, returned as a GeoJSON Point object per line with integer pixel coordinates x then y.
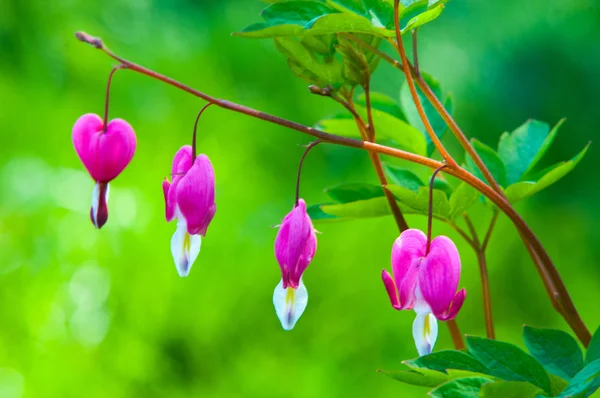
{"type": "Point", "coordinates": [457, 338]}
{"type": "Point", "coordinates": [413, 91]}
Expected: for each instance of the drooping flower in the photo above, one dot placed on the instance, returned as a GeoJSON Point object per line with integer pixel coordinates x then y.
{"type": "Point", "coordinates": [105, 152]}
{"type": "Point", "coordinates": [426, 282]}
{"type": "Point", "coordinates": [295, 246]}
{"type": "Point", "coordinates": [191, 199]}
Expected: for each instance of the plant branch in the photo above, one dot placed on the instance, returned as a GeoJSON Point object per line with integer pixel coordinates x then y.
{"type": "Point", "coordinates": [413, 91]}
{"type": "Point", "coordinates": [376, 161]}
{"type": "Point", "coordinates": [554, 285]}
{"type": "Point", "coordinates": [455, 334]}
{"type": "Point", "coordinates": [555, 288]}
{"type": "Point", "coordinates": [488, 234]}
{"type": "Point", "coordinates": [415, 52]}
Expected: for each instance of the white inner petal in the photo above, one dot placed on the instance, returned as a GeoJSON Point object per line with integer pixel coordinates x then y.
{"type": "Point", "coordinates": [96, 201]}
{"type": "Point", "coordinates": [184, 248]}
{"type": "Point", "coordinates": [425, 332]}
{"type": "Point", "coordinates": [289, 304]}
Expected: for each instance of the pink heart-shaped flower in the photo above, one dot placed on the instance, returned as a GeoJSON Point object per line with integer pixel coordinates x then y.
{"type": "Point", "coordinates": [104, 154]}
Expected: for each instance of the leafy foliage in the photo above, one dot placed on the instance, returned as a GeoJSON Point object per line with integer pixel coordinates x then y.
{"type": "Point", "coordinates": [374, 17]}
{"type": "Point", "coordinates": [555, 349]}
{"type": "Point", "coordinates": [495, 369]}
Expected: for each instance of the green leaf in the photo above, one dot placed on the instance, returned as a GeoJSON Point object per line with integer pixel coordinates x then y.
{"type": "Point", "coordinates": [379, 12]}
{"type": "Point", "coordinates": [382, 102]}
{"type": "Point", "coordinates": [412, 115]}
{"type": "Point", "coordinates": [509, 389]}
{"type": "Point", "coordinates": [403, 135]}
{"type": "Point", "coordinates": [449, 359]}
{"type": "Point", "coordinates": [367, 208]}
{"type": "Point", "coordinates": [585, 382]}
{"type": "Point", "coordinates": [593, 351]}
{"type": "Point", "coordinates": [422, 377]}
{"type": "Point", "coordinates": [443, 185]}
{"type": "Point", "coordinates": [545, 145]}
{"type": "Point", "coordinates": [352, 192]}
{"type": "Point", "coordinates": [316, 214]}
{"type": "Point", "coordinates": [524, 147]}
{"type": "Point", "coordinates": [295, 12]}
{"type": "Point", "coordinates": [525, 189]}
{"type": "Point", "coordinates": [460, 388]}
{"type": "Point", "coordinates": [557, 384]}
{"type": "Point", "coordinates": [419, 201]}
{"type": "Point", "coordinates": [306, 65]}
{"type": "Point", "coordinates": [402, 177]}
{"type": "Point", "coordinates": [462, 199]}
{"type": "Point", "coordinates": [508, 362]}
{"type": "Point", "coordinates": [556, 350]}
{"type": "Point", "coordinates": [424, 18]}
{"type": "Point", "coordinates": [491, 159]}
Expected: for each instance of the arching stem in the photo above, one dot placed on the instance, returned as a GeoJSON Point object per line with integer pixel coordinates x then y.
{"type": "Point", "coordinates": [430, 214]}
{"type": "Point", "coordinates": [107, 98]}
{"type": "Point", "coordinates": [196, 128]}
{"type": "Point", "coordinates": [308, 148]}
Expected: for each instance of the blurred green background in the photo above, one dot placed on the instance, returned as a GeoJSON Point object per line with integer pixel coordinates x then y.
{"type": "Point", "coordinates": [104, 313]}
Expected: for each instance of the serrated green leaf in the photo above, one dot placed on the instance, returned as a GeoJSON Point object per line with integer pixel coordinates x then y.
{"type": "Point", "coordinates": [584, 383]}
{"type": "Point", "coordinates": [519, 149]}
{"type": "Point", "coordinates": [492, 161]}
{"type": "Point", "coordinates": [352, 192]}
{"type": "Point", "coordinates": [382, 102]}
{"type": "Point", "coordinates": [375, 207]}
{"type": "Point", "coordinates": [419, 201]}
{"type": "Point", "coordinates": [509, 389]}
{"type": "Point", "coordinates": [593, 351]}
{"type": "Point", "coordinates": [525, 189]}
{"type": "Point", "coordinates": [412, 115]}
{"type": "Point", "coordinates": [462, 199]}
{"type": "Point", "coordinates": [449, 359]}
{"type": "Point", "coordinates": [556, 350]}
{"type": "Point", "coordinates": [508, 362]}
{"type": "Point", "coordinates": [403, 177]}
{"type": "Point", "coordinates": [460, 388]}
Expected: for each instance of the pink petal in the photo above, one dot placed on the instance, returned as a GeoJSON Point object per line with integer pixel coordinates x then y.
{"type": "Point", "coordinates": [182, 161]}
{"type": "Point", "coordinates": [104, 154]}
{"type": "Point", "coordinates": [295, 244]}
{"type": "Point", "coordinates": [196, 196]}
{"type": "Point", "coordinates": [390, 288]}
{"type": "Point", "coordinates": [456, 305]}
{"type": "Point", "coordinates": [439, 275]}
{"type": "Point", "coordinates": [407, 252]}
{"type": "Point", "coordinates": [169, 206]}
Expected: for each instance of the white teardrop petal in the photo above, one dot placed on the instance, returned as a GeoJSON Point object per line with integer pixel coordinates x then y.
{"type": "Point", "coordinates": [425, 332]}
{"type": "Point", "coordinates": [184, 248]}
{"type": "Point", "coordinates": [289, 304]}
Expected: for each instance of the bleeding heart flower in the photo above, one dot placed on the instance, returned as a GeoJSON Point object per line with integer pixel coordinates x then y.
{"type": "Point", "coordinates": [191, 199]}
{"type": "Point", "coordinates": [295, 246]}
{"type": "Point", "coordinates": [426, 282]}
{"type": "Point", "coordinates": [105, 152]}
